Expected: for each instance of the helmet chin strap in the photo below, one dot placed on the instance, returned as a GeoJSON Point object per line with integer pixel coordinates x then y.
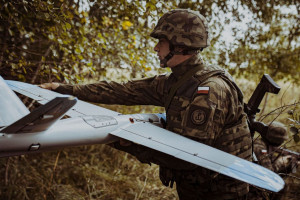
{"type": "Point", "coordinates": [168, 56]}
{"type": "Point", "coordinates": [166, 59]}
{"type": "Point", "coordinates": [173, 52]}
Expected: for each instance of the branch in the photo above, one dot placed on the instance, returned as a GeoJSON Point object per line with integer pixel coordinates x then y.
{"type": "Point", "coordinates": [40, 64]}
{"type": "Point", "coordinates": [281, 107]}
{"type": "Point", "coordinates": [6, 171]}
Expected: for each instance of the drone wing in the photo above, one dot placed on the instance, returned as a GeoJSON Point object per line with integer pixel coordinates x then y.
{"type": "Point", "coordinates": [43, 96]}
{"type": "Point", "coordinates": [200, 154]}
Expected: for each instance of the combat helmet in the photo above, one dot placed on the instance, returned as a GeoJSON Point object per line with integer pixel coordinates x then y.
{"type": "Point", "coordinates": [277, 133]}
{"type": "Point", "coordinates": [183, 27]}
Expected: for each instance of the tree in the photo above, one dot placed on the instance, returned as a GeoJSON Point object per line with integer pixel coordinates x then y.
{"type": "Point", "coordinates": [60, 41]}
{"type": "Point", "coordinates": [271, 43]}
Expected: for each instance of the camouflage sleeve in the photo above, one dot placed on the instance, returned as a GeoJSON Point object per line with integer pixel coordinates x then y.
{"type": "Point", "coordinates": [285, 164]}
{"type": "Point", "coordinates": [147, 91]}
{"type": "Point", "coordinates": [282, 164]}
{"type": "Point", "coordinates": [205, 117]}
{"type": "Point", "coordinates": [262, 155]}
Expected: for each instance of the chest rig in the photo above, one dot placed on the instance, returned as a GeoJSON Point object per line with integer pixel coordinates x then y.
{"type": "Point", "coordinates": [180, 92]}
{"type": "Point", "coordinates": [234, 139]}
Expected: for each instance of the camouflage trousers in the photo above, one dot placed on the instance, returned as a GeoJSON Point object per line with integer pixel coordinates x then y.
{"type": "Point", "coordinates": [205, 184]}
{"type": "Point", "coordinates": [191, 192]}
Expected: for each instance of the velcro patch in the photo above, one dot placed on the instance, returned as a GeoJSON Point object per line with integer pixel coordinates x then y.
{"type": "Point", "coordinates": [198, 117]}
{"type": "Point", "coordinates": [203, 90]}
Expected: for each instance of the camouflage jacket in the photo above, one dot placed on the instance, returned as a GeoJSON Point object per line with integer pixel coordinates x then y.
{"type": "Point", "coordinates": [207, 108]}
{"type": "Point", "coordinates": [270, 160]}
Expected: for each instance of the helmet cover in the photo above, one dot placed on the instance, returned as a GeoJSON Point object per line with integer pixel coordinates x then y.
{"type": "Point", "coordinates": [277, 133]}
{"type": "Point", "coordinates": [183, 27]}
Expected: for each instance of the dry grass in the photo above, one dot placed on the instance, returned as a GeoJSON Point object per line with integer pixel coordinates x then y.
{"type": "Point", "coordinates": [88, 172]}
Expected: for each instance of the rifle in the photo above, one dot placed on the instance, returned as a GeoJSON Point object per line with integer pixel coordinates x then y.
{"type": "Point", "coordinates": [266, 84]}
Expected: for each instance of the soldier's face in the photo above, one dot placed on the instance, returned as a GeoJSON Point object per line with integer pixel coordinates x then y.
{"type": "Point", "coordinates": [162, 49]}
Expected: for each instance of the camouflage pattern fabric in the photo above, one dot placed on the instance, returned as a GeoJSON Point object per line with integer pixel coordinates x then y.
{"type": "Point", "coordinates": [207, 108]}
{"type": "Point", "coordinates": [277, 133]}
{"type": "Point", "coordinates": [269, 159]}
{"type": "Point", "coordinates": [265, 158]}
{"type": "Point", "coordinates": [183, 27]}
{"type": "Point", "coordinates": [261, 151]}
{"type": "Point", "coordinates": [291, 190]}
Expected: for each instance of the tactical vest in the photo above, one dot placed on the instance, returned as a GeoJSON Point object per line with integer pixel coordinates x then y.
{"type": "Point", "coordinates": [235, 139]}
{"type": "Point", "coordinates": [184, 96]}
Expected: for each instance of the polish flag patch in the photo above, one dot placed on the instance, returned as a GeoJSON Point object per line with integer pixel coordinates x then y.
{"type": "Point", "coordinates": [203, 90]}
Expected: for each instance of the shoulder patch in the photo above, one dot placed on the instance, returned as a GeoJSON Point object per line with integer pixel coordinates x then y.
{"type": "Point", "coordinates": [198, 117]}
{"type": "Point", "coordinates": [203, 90]}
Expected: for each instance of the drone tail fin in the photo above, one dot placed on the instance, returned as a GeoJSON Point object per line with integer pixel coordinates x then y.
{"type": "Point", "coordinates": [11, 107]}
{"type": "Point", "coordinates": [42, 117]}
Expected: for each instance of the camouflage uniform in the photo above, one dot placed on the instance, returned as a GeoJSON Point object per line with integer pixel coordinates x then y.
{"type": "Point", "coordinates": [264, 157]}
{"type": "Point", "coordinates": [275, 136]}
{"type": "Point", "coordinates": [213, 116]}
{"type": "Point", "coordinates": [216, 119]}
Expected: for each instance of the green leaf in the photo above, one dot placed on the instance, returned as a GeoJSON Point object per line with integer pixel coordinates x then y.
{"type": "Point", "coordinates": [90, 64]}
{"type": "Point", "coordinates": [77, 50]}
{"type": "Point", "coordinates": [68, 26]}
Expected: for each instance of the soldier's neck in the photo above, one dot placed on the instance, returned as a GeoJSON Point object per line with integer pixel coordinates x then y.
{"type": "Point", "coordinates": [177, 59]}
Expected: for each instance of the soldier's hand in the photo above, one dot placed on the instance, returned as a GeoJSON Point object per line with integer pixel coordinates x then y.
{"type": "Point", "coordinates": [49, 86]}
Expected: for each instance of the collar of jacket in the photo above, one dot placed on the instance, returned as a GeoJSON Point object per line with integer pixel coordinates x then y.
{"type": "Point", "coordinates": [180, 69]}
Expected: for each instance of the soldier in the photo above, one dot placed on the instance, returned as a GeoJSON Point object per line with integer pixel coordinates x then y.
{"type": "Point", "coordinates": [202, 103]}
{"type": "Point", "coordinates": [275, 137]}
{"type": "Point", "coordinates": [267, 156]}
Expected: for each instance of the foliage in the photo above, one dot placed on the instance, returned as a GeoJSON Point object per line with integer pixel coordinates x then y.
{"type": "Point", "coordinates": [56, 41]}
{"type": "Point", "coordinates": [35, 39]}
{"type": "Point", "coordinates": [271, 42]}
{"type": "Point", "coordinates": [44, 41]}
